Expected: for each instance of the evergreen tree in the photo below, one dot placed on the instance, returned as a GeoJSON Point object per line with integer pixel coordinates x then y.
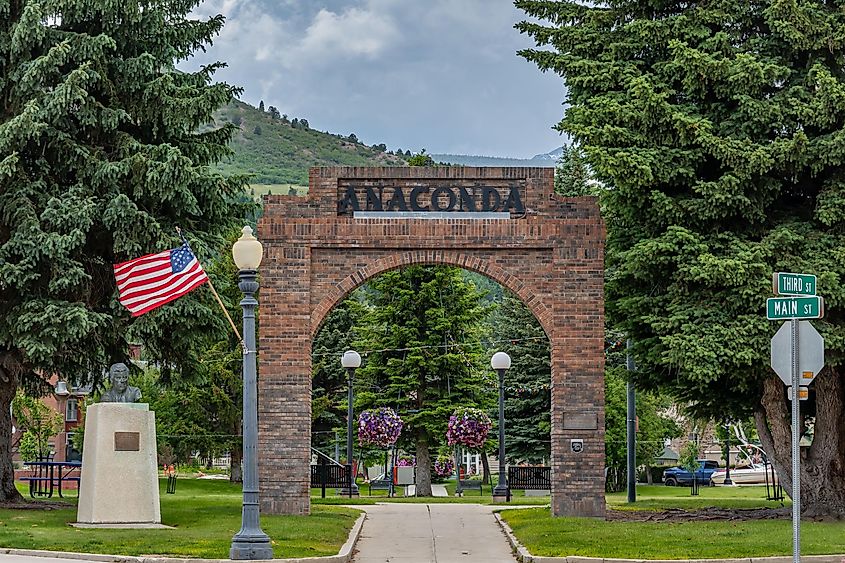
{"type": "Point", "coordinates": [572, 173]}
{"type": "Point", "coordinates": [423, 331]}
{"type": "Point", "coordinates": [274, 113]}
{"type": "Point", "coordinates": [328, 378]}
{"type": "Point", "coordinates": [261, 106]}
{"type": "Point", "coordinates": [421, 159]}
{"type": "Point", "coordinates": [528, 403]}
{"type": "Point", "coordinates": [718, 127]}
{"type": "Point", "coordinates": [100, 158]}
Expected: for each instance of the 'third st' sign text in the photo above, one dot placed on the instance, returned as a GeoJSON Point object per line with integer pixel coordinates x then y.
{"type": "Point", "coordinates": [429, 198]}
{"type": "Point", "coordinates": [784, 283]}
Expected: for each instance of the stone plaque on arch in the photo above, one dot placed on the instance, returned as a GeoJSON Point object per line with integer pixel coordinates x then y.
{"type": "Point", "coordinates": [505, 223]}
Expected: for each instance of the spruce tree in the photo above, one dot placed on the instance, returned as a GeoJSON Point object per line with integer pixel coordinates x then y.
{"type": "Point", "coordinates": [528, 403]}
{"type": "Point", "coordinates": [425, 357]}
{"type": "Point", "coordinates": [100, 159]}
{"type": "Point", "coordinates": [717, 127]}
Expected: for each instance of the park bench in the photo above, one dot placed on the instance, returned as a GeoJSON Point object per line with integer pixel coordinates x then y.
{"type": "Point", "coordinates": [379, 485]}
{"type": "Point", "coordinates": [472, 484]}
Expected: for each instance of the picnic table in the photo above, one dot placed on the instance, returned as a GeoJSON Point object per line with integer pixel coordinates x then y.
{"type": "Point", "coordinates": [47, 476]}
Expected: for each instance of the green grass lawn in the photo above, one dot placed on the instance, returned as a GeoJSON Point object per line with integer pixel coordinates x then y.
{"type": "Point", "coordinates": [658, 497]}
{"type": "Point", "coordinates": [205, 515]}
{"type": "Point", "coordinates": [542, 534]}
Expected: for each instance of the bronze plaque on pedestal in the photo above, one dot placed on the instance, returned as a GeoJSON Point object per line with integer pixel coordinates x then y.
{"type": "Point", "coordinates": [127, 441]}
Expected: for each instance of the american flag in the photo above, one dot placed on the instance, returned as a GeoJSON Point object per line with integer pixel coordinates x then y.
{"type": "Point", "coordinates": [153, 280]}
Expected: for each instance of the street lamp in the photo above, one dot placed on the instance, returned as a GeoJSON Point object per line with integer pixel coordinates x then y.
{"type": "Point", "coordinates": [351, 360]}
{"type": "Point", "coordinates": [500, 363]}
{"type": "Point", "coordinates": [250, 542]}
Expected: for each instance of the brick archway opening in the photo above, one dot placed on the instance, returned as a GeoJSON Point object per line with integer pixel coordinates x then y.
{"type": "Point", "coordinates": [510, 227]}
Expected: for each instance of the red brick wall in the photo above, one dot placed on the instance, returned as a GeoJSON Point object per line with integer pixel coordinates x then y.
{"type": "Point", "coordinates": [552, 257]}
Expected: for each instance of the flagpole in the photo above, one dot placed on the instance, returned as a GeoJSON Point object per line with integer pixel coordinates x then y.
{"type": "Point", "coordinates": [217, 297]}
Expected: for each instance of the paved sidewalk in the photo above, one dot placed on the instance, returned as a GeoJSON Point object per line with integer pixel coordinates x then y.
{"type": "Point", "coordinates": [436, 533]}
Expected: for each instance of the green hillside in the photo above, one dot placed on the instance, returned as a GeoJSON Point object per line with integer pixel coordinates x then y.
{"type": "Point", "coordinates": [278, 150]}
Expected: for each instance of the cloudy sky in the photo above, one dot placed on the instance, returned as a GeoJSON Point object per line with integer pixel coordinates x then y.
{"type": "Point", "coordinates": [436, 74]}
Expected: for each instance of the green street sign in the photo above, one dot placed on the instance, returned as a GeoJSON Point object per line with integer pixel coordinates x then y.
{"type": "Point", "coordinates": [785, 283]}
{"type": "Point", "coordinates": [780, 308]}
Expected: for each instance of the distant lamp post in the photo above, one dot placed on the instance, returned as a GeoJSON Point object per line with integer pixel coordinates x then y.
{"type": "Point", "coordinates": [728, 454]}
{"type": "Point", "coordinates": [500, 363]}
{"type": "Point", "coordinates": [250, 542]}
{"type": "Point", "coordinates": [351, 360]}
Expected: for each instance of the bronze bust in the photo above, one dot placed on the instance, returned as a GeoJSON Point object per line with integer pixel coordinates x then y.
{"type": "Point", "coordinates": [120, 391]}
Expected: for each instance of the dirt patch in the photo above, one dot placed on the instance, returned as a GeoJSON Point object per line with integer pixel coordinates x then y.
{"type": "Point", "coordinates": [34, 505]}
{"type": "Point", "coordinates": [704, 514]}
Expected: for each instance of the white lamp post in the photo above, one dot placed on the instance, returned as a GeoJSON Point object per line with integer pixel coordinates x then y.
{"type": "Point", "coordinates": [250, 542]}
{"type": "Point", "coordinates": [500, 363]}
{"type": "Point", "coordinates": [351, 360]}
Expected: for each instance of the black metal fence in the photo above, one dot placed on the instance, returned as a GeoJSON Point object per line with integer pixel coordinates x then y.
{"type": "Point", "coordinates": [530, 478]}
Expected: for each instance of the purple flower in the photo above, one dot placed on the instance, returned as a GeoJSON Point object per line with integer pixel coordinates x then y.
{"type": "Point", "coordinates": [468, 427]}
{"type": "Point", "coordinates": [444, 466]}
{"type": "Point", "coordinates": [379, 427]}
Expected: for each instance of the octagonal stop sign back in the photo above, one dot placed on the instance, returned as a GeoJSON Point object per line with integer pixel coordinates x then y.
{"type": "Point", "coordinates": [810, 352]}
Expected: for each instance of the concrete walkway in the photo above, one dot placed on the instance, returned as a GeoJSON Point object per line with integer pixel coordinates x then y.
{"type": "Point", "coordinates": [436, 533]}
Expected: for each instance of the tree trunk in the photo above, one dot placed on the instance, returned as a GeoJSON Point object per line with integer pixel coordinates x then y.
{"type": "Point", "coordinates": [235, 466]}
{"type": "Point", "coordinates": [485, 464]}
{"type": "Point", "coordinates": [8, 386]}
{"type": "Point", "coordinates": [823, 462]}
{"type": "Point", "coordinates": [648, 477]}
{"type": "Point", "coordinates": [423, 466]}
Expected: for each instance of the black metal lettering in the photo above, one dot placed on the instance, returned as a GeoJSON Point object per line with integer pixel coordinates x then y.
{"type": "Point", "coordinates": [415, 198]}
{"type": "Point", "coordinates": [490, 199]}
{"type": "Point", "coordinates": [349, 202]}
{"type": "Point", "coordinates": [514, 202]}
{"type": "Point", "coordinates": [397, 202]}
{"type": "Point", "coordinates": [468, 201]}
{"type": "Point", "coordinates": [374, 199]}
{"type": "Point", "coordinates": [435, 199]}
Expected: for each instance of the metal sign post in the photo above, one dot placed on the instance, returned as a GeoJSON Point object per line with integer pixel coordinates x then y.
{"type": "Point", "coordinates": [805, 359]}
{"type": "Point", "coordinates": [796, 462]}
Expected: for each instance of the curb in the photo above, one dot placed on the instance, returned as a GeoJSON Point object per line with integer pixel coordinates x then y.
{"type": "Point", "coordinates": [343, 556]}
{"type": "Point", "coordinates": [524, 556]}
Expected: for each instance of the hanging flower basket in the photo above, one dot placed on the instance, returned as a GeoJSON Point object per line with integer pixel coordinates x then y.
{"type": "Point", "coordinates": [379, 427]}
{"type": "Point", "coordinates": [468, 427]}
{"type": "Point", "coordinates": [444, 466]}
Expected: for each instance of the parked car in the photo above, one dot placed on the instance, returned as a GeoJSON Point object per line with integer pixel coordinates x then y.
{"type": "Point", "coordinates": [752, 475]}
{"type": "Point", "coordinates": [679, 476]}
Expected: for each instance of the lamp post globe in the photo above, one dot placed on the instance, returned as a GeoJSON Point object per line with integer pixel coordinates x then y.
{"type": "Point", "coordinates": [247, 250]}
{"type": "Point", "coordinates": [351, 360]}
{"type": "Point", "coordinates": [250, 542]}
{"type": "Point", "coordinates": [501, 362]}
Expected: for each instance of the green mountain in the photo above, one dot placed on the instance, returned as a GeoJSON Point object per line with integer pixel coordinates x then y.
{"type": "Point", "coordinates": [276, 149]}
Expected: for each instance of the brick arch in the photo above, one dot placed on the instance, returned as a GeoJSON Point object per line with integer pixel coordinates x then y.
{"type": "Point", "coordinates": [550, 254]}
{"type": "Point", "coordinates": [434, 257]}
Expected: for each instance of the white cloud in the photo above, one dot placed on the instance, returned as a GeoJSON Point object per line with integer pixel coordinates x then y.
{"type": "Point", "coordinates": [439, 74]}
{"type": "Point", "coordinates": [350, 33]}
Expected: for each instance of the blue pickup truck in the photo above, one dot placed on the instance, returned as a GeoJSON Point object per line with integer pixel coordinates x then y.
{"type": "Point", "coordinates": [679, 476]}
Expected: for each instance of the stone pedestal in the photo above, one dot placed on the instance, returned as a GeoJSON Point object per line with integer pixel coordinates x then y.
{"type": "Point", "coordinates": [119, 481]}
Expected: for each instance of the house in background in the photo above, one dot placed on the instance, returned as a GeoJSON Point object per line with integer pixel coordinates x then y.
{"type": "Point", "coordinates": [67, 400]}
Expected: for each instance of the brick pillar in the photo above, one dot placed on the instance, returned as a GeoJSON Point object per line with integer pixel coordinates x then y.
{"type": "Point", "coordinates": [578, 379]}
{"type": "Point", "coordinates": [284, 382]}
